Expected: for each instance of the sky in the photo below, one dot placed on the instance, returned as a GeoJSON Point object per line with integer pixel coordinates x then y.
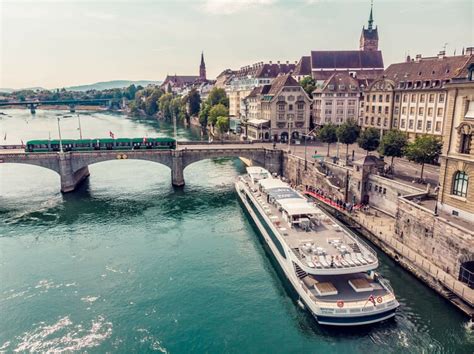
{"type": "Point", "coordinates": [58, 43]}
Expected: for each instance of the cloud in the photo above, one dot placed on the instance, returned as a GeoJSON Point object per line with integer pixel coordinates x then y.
{"type": "Point", "coordinates": [228, 7]}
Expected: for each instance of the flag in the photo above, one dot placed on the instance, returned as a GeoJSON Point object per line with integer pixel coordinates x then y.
{"type": "Point", "coordinates": [371, 299]}
{"type": "Point", "coordinates": [22, 144]}
{"type": "Point", "coordinates": [112, 135]}
{"type": "Point", "coordinates": [5, 137]}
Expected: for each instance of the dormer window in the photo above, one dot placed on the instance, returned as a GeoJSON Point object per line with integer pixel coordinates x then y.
{"type": "Point", "coordinates": [342, 87]}
{"type": "Point", "coordinates": [331, 87]}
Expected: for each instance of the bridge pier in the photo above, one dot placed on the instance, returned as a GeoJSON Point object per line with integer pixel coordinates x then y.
{"type": "Point", "coordinates": [72, 108]}
{"type": "Point", "coordinates": [177, 174]}
{"type": "Point", "coordinates": [32, 108]}
{"type": "Point", "coordinates": [70, 179]}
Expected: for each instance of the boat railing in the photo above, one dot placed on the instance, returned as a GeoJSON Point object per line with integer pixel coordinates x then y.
{"type": "Point", "coordinates": [356, 238]}
{"type": "Point", "coordinates": [385, 283]}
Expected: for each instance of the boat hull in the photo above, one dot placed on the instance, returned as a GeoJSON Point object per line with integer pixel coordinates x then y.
{"type": "Point", "coordinates": [286, 266]}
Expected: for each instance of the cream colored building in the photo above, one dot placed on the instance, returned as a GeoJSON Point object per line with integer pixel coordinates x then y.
{"type": "Point", "coordinates": [377, 105]}
{"type": "Point", "coordinates": [337, 100]}
{"type": "Point", "coordinates": [456, 195]}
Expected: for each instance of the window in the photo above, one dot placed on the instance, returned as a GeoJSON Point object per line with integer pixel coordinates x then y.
{"type": "Point", "coordinates": [431, 98]}
{"type": "Point", "coordinates": [419, 125]}
{"type": "Point", "coordinates": [438, 126]}
{"type": "Point", "coordinates": [328, 111]}
{"type": "Point", "coordinates": [465, 144]}
{"type": "Point", "coordinates": [460, 183]}
{"type": "Point", "coordinates": [412, 111]}
{"type": "Point", "coordinates": [439, 112]}
{"type": "Point", "coordinates": [328, 103]}
{"type": "Point", "coordinates": [421, 111]}
{"type": "Point", "coordinates": [386, 110]}
{"type": "Point", "coordinates": [395, 122]}
{"type": "Point", "coordinates": [281, 107]}
{"type": "Point", "coordinates": [351, 102]}
{"type": "Point", "coordinates": [402, 123]}
{"type": "Point", "coordinates": [366, 120]}
{"type": "Point", "coordinates": [430, 112]}
{"type": "Point", "coordinates": [373, 98]}
{"type": "Point", "coordinates": [351, 111]}
{"type": "Point", "coordinates": [404, 111]}
{"type": "Point", "coordinates": [428, 125]}
{"type": "Point", "coordinates": [281, 116]}
{"type": "Point", "coordinates": [339, 103]}
{"type": "Point", "coordinates": [372, 120]}
{"type": "Point", "coordinates": [441, 98]}
{"type": "Point", "coordinates": [380, 109]}
{"type": "Point", "coordinates": [413, 97]}
{"type": "Point", "coordinates": [373, 109]}
{"type": "Point", "coordinates": [378, 121]}
{"type": "Point", "coordinates": [385, 122]}
{"type": "Point", "coordinates": [395, 111]}
{"type": "Point", "coordinates": [300, 106]}
{"type": "Point", "coordinates": [387, 98]}
{"type": "Point", "coordinates": [470, 110]}
{"type": "Point", "coordinates": [397, 98]}
{"type": "Point", "coordinates": [410, 124]}
{"type": "Point", "coordinates": [291, 98]}
{"type": "Point", "coordinates": [405, 97]}
{"type": "Point", "coordinates": [380, 98]}
{"type": "Point", "coordinates": [367, 98]}
{"type": "Point", "coordinates": [290, 107]}
{"type": "Point", "coordinates": [340, 111]}
{"type": "Point", "coordinates": [422, 98]}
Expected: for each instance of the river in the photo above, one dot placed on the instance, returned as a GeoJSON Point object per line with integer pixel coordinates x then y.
{"type": "Point", "coordinates": [127, 263]}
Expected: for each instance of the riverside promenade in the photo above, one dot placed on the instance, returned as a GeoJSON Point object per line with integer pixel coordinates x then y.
{"type": "Point", "coordinates": [379, 228]}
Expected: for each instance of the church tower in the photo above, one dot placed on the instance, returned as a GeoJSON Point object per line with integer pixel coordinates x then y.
{"type": "Point", "coordinates": [369, 38]}
{"type": "Point", "coordinates": [202, 69]}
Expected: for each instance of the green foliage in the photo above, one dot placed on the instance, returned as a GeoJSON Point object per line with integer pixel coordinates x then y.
{"type": "Point", "coordinates": [327, 134]}
{"type": "Point", "coordinates": [164, 104]}
{"type": "Point", "coordinates": [425, 149]}
{"type": "Point", "coordinates": [216, 111]}
{"type": "Point", "coordinates": [194, 102]}
{"type": "Point", "coordinates": [369, 140]}
{"type": "Point", "coordinates": [393, 144]}
{"type": "Point", "coordinates": [348, 132]}
{"type": "Point", "coordinates": [204, 114]}
{"type": "Point", "coordinates": [217, 96]}
{"type": "Point", "coordinates": [222, 124]}
{"type": "Point", "coordinates": [308, 85]}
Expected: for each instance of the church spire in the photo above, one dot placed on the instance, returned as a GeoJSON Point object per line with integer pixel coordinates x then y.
{"type": "Point", "coordinates": [202, 68]}
{"type": "Point", "coordinates": [371, 17]}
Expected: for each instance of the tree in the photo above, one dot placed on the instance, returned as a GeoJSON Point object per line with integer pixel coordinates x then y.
{"type": "Point", "coordinates": [194, 102]}
{"type": "Point", "coordinates": [130, 92]}
{"type": "Point", "coordinates": [327, 134]}
{"type": "Point", "coordinates": [369, 140]}
{"type": "Point", "coordinates": [425, 149]}
{"type": "Point", "coordinates": [393, 144]}
{"type": "Point", "coordinates": [347, 133]}
{"type": "Point", "coordinates": [164, 104]}
{"type": "Point", "coordinates": [204, 114]}
{"type": "Point", "coordinates": [222, 124]}
{"type": "Point", "coordinates": [217, 96]}
{"type": "Point", "coordinates": [308, 85]}
{"type": "Point", "coordinates": [216, 111]}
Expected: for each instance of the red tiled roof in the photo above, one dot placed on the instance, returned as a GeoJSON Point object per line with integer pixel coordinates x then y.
{"type": "Point", "coordinates": [303, 67]}
{"type": "Point", "coordinates": [346, 59]}
{"type": "Point", "coordinates": [427, 69]}
{"type": "Point", "coordinates": [280, 82]}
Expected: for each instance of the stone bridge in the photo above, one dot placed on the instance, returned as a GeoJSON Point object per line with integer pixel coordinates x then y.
{"type": "Point", "coordinates": [73, 166]}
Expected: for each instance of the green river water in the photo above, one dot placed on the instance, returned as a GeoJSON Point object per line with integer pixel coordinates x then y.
{"type": "Point", "coordinates": [129, 264]}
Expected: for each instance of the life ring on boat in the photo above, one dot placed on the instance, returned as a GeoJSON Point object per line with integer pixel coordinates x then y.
{"type": "Point", "coordinates": [340, 303]}
{"type": "Point", "coordinates": [379, 299]}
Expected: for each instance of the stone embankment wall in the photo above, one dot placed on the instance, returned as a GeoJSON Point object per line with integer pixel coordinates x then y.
{"type": "Point", "coordinates": [427, 245]}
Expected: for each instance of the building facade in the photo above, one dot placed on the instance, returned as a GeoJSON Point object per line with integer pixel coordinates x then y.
{"type": "Point", "coordinates": [411, 96]}
{"type": "Point", "coordinates": [456, 195]}
{"type": "Point", "coordinates": [377, 105]}
{"type": "Point", "coordinates": [243, 81]}
{"type": "Point", "coordinates": [180, 84]}
{"type": "Point", "coordinates": [337, 100]}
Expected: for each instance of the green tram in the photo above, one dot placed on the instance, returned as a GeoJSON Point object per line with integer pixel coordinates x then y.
{"type": "Point", "coordinates": [101, 144]}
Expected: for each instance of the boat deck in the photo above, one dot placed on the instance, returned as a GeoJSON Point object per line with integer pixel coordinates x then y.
{"type": "Point", "coordinates": [324, 245]}
{"type": "Point", "coordinates": [343, 288]}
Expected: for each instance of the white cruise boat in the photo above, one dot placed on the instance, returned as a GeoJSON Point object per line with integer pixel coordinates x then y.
{"type": "Point", "coordinates": [331, 269]}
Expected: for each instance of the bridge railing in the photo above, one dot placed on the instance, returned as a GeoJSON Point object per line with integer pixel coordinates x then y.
{"type": "Point", "coordinates": [218, 142]}
{"type": "Point", "coordinates": [12, 147]}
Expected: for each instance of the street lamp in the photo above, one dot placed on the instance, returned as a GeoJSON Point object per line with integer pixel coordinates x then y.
{"type": "Point", "coordinates": [289, 134]}
{"type": "Point", "coordinates": [79, 122]}
{"type": "Point", "coordinates": [60, 140]}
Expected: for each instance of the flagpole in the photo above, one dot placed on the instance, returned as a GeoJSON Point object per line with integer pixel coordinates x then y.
{"type": "Point", "coordinates": [60, 140]}
{"type": "Point", "coordinates": [80, 129]}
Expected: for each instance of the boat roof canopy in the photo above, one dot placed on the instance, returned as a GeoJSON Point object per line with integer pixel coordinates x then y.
{"type": "Point", "coordinates": [284, 192]}
{"type": "Point", "coordinates": [300, 207]}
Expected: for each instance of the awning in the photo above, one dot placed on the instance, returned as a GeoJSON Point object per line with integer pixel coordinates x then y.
{"type": "Point", "coordinates": [269, 183]}
{"type": "Point", "coordinates": [258, 122]}
{"type": "Point", "coordinates": [301, 208]}
{"type": "Point", "coordinates": [280, 193]}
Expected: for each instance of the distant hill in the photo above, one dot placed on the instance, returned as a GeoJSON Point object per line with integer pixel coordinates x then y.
{"type": "Point", "coordinates": [10, 90]}
{"type": "Point", "coordinates": [111, 85]}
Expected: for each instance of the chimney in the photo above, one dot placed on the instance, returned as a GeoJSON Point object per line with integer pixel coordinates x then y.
{"type": "Point", "coordinates": [288, 62]}
{"type": "Point", "coordinates": [441, 54]}
{"type": "Point", "coordinates": [408, 58]}
{"type": "Point", "coordinates": [270, 62]}
{"type": "Point", "coordinates": [278, 62]}
{"type": "Point", "coordinates": [418, 57]}
{"type": "Point", "coordinates": [469, 51]}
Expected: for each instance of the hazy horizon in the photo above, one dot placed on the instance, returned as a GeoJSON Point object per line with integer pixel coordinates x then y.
{"type": "Point", "coordinates": [65, 43]}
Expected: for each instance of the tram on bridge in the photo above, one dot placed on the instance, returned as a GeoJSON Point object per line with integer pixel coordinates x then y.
{"type": "Point", "coordinates": [101, 144]}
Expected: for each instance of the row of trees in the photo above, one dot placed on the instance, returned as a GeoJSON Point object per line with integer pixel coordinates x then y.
{"type": "Point", "coordinates": [215, 110]}
{"type": "Point", "coordinates": [424, 149]}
